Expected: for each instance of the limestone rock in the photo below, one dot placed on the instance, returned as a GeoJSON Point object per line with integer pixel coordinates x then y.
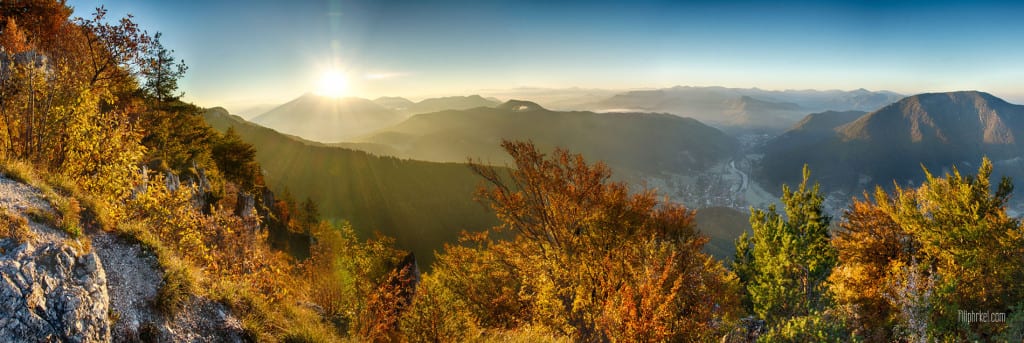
{"type": "Point", "coordinates": [49, 292]}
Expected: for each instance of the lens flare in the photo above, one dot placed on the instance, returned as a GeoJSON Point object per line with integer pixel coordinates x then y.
{"type": "Point", "coordinates": [333, 83]}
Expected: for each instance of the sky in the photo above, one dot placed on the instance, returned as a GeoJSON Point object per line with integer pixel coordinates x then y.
{"type": "Point", "coordinates": [266, 52]}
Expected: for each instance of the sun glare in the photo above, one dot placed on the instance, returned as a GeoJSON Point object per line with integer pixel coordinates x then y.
{"type": "Point", "coordinates": [333, 83]}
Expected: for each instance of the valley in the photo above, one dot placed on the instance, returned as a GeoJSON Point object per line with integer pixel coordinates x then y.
{"type": "Point", "coordinates": [700, 166]}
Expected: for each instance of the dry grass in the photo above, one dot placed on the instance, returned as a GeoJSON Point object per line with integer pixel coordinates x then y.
{"type": "Point", "coordinates": [178, 285]}
{"type": "Point", "coordinates": [263, 318]}
{"type": "Point", "coordinates": [20, 171]}
{"type": "Point", "coordinates": [57, 190]}
{"type": "Point", "coordinates": [15, 227]}
{"type": "Point", "coordinates": [285, 321]}
{"type": "Point", "coordinates": [529, 334]}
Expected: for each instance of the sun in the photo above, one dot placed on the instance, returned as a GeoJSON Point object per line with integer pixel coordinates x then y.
{"type": "Point", "coordinates": [333, 83]}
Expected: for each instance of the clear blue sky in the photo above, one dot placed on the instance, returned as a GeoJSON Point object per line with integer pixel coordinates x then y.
{"type": "Point", "coordinates": [271, 51]}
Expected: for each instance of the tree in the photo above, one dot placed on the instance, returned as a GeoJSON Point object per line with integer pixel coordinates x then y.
{"type": "Point", "coordinates": [589, 260]}
{"type": "Point", "coordinates": [870, 246]}
{"type": "Point", "coordinates": [909, 261]}
{"type": "Point", "coordinates": [784, 265]}
{"type": "Point", "coordinates": [113, 53]}
{"type": "Point", "coordinates": [162, 71]}
{"type": "Point", "coordinates": [236, 159]}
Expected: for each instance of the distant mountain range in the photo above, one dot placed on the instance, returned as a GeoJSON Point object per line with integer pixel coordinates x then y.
{"type": "Point", "coordinates": [851, 150]}
{"type": "Point", "coordinates": [406, 106]}
{"type": "Point", "coordinates": [330, 120]}
{"type": "Point", "coordinates": [628, 142]}
{"type": "Point", "coordinates": [736, 108]}
{"type": "Point", "coordinates": [326, 119]}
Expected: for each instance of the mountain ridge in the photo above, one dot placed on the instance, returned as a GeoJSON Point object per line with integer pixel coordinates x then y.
{"type": "Point", "coordinates": [327, 119]}
{"type": "Point", "coordinates": [934, 130]}
{"type": "Point", "coordinates": [633, 142]}
{"type": "Point", "coordinates": [744, 108]}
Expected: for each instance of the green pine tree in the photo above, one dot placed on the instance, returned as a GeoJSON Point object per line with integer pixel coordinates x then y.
{"type": "Point", "coordinates": [785, 263]}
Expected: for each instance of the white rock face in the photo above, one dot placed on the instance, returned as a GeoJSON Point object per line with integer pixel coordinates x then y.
{"type": "Point", "coordinates": [49, 292]}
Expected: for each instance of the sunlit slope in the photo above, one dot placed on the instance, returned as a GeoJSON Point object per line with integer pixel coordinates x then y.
{"type": "Point", "coordinates": [644, 143]}
{"type": "Point", "coordinates": [421, 204]}
{"type": "Point", "coordinates": [936, 130]}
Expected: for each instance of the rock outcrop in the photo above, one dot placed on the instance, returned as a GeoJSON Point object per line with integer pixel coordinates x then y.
{"type": "Point", "coordinates": [97, 288]}
{"type": "Point", "coordinates": [51, 291]}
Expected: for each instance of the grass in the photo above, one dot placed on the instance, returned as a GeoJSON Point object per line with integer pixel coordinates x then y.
{"type": "Point", "coordinates": [74, 210]}
{"type": "Point", "coordinates": [265, 321]}
{"type": "Point", "coordinates": [18, 170]}
{"type": "Point", "coordinates": [15, 227]}
{"type": "Point", "coordinates": [178, 285]}
{"type": "Point", "coordinates": [57, 190]}
{"type": "Point", "coordinates": [529, 334]}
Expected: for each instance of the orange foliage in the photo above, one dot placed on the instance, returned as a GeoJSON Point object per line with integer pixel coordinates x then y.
{"type": "Point", "coordinates": [589, 260]}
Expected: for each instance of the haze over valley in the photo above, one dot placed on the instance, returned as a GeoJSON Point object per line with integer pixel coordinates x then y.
{"type": "Point", "coordinates": [754, 142]}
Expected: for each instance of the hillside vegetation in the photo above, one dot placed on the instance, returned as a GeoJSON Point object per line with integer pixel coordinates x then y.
{"type": "Point", "coordinates": [421, 204]}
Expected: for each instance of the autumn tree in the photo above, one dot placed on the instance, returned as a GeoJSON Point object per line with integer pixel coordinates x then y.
{"type": "Point", "coordinates": [588, 259]}
{"type": "Point", "coordinates": [363, 286]}
{"type": "Point", "coordinates": [910, 261]}
{"type": "Point", "coordinates": [111, 53]}
{"type": "Point", "coordinates": [66, 86]}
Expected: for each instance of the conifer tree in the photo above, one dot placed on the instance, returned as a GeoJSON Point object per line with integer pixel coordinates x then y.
{"type": "Point", "coordinates": [162, 71]}
{"type": "Point", "coordinates": [785, 263]}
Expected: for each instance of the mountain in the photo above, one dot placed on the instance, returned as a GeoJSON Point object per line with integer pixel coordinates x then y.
{"type": "Point", "coordinates": [326, 119]}
{"type": "Point", "coordinates": [732, 108]}
{"type": "Point", "coordinates": [936, 130]}
{"type": "Point", "coordinates": [450, 103]}
{"type": "Point", "coordinates": [628, 142]}
{"type": "Point", "coordinates": [251, 111]}
{"type": "Point", "coordinates": [560, 99]}
{"type": "Point", "coordinates": [394, 103]}
{"type": "Point", "coordinates": [421, 204]}
{"type": "Point", "coordinates": [406, 106]}
{"type": "Point", "coordinates": [814, 128]}
{"type": "Point", "coordinates": [826, 121]}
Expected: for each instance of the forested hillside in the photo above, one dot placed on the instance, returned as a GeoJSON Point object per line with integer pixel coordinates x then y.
{"type": "Point", "coordinates": [421, 204]}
